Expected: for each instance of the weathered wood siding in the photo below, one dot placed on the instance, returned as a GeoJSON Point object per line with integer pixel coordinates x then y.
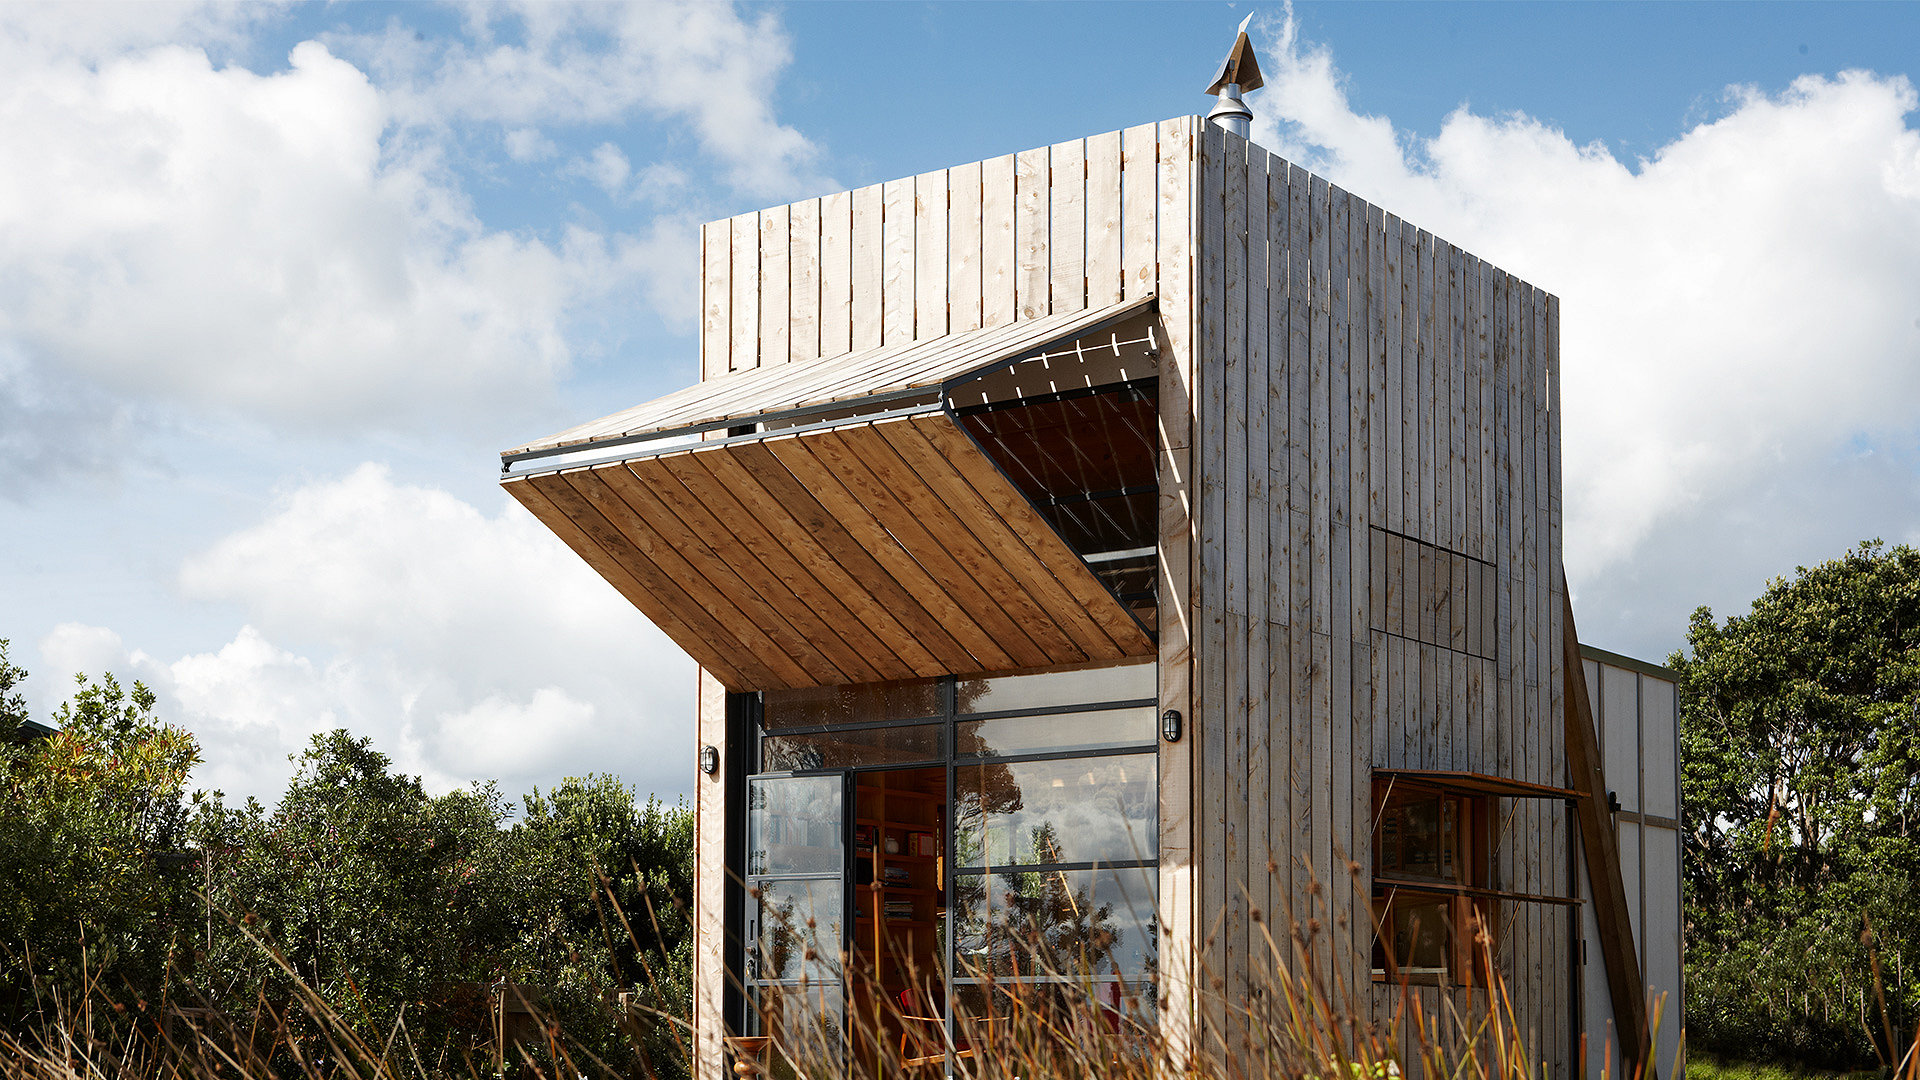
{"type": "Point", "coordinates": [1376, 469]}
{"type": "Point", "coordinates": [1043, 231]}
{"type": "Point", "coordinates": [1360, 513]}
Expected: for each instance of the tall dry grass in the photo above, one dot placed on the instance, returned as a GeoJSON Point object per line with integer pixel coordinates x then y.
{"type": "Point", "coordinates": [1296, 1021]}
{"type": "Point", "coordinates": [1296, 1024]}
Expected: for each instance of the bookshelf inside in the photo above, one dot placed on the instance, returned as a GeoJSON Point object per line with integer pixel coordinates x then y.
{"type": "Point", "coordinates": [899, 902]}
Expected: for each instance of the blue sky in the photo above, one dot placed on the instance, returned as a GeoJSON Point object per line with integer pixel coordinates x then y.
{"type": "Point", "coordinates": [277, 282]}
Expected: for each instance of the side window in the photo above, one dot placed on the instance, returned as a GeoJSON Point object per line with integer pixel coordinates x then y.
{"type": "Point", "coordinates": [1431, 884]}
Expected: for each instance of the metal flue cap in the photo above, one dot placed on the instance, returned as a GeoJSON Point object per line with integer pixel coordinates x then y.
{"type": "Point", "coordinates": [1239, 74]}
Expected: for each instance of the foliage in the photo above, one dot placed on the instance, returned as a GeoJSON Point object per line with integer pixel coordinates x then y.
{"type": "Point", "coordinates": [364, 884]}
{"type": "Point", "coordinates": [1800, 728]}
{"type": "Point", "coordinates": [1705, 1066]}
{"type": "Point", "coordinates": [606, 881]}
{"type": "Point", "coordinates": [91, 816]}
{"type": "Point", "coordinates": [357, 907]}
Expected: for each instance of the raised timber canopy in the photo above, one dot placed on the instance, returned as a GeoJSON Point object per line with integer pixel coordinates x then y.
{"type": "Point", "coordinates": [916, 510]}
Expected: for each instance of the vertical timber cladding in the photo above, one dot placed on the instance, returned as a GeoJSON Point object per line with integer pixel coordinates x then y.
{"type": "Point", "coordinates": [1377, 482]}
{"type": "Point", "coordinates": [1057, 229]}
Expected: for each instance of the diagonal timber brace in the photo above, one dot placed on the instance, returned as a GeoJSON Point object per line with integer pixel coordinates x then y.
{"type": "Point", "coordinates": [1597, 839]}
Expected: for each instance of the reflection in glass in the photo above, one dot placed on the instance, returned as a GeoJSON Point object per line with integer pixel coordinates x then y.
{"type": "Point", "coordinates": [799, 929]}
{"type": "Point", "coordinates": [1083, 1010]}
{"type": "Point", "coordinates": [1419, 928]}
{"type": "Point", "coordinates": [1419, 835]}
{"type": "Point", "coordinates": [1114, 523]}
{"type": "Point", "coordinates": [1102, 809]}
{"type": "Point", "coordinates": [850, 749]}
{"type": "Point", "coordinates": [1042, 924]}
{"type": "Point", "coordinates": [809, 1022]}
{"type": "Point", "coordinates": [820, 706]}
{"type": "Point", "coordinates": [794, 826]}
{"type": "Point", "coordinates": [1011, 692]}
{"type": "Point", "coordinates": [1054, 732]}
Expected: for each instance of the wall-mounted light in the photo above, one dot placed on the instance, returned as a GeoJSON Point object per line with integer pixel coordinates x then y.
{"type": "Point", "coordinates": [1170, 725]}
{"type": "Point", "coordinates": [709, 759]}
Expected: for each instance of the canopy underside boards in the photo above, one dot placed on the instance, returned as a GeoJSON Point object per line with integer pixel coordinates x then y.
{"type": "Point", "coordinates": [877, 550]}
{"type": "Point", "coordinates": [756, 393]}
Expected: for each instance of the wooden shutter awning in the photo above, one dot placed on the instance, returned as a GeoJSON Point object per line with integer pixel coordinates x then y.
{"type": "Point", "coordinates": [916, 371]}
{"type": "Point", "coordinates": [1480, 784]}
{"type": "Point", "coordinates": [868, 551]}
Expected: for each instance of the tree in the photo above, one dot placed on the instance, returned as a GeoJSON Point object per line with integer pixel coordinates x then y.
{"type": "Point", "coordinates": [602, 908]}
{"type": "Point", "coordinates": [92, 817]}
{"type": "Point", "coordinates": [390, 904]}
{"type": "Point", "coordinates": [1800, 730]}
{"type": "Point", "coordinates": [376, 896]}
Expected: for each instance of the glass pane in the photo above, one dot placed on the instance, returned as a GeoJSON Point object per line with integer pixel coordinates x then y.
{"type": "Point", "coordinates": [1040, 1016]}
{"type": "Point", "coordinates": [799, 929]}
{"type": "Point", "coordinates": [1055, 688]}
{"type": "Point", "coordinates": [1074, 810]}
{"type": "Point", "coordinates": [1419, 836]}
{"type": "Point", "coordinates": [849, 749]}
{"type": "Point", "coordinates": [794, 826]}
{"type": "Point", "coordinates": [1096, 730]}
{"type": "Point", "coordinates": [1419, 929]}
{"type": "Point", "coordinates": [912, 699]}
{"type": "Point", "coordinates": [808, 1025]}
{"type": "Point", "coordinates": [1045, 924]}
{"type": "Point", "coordinates": [1130, 579]}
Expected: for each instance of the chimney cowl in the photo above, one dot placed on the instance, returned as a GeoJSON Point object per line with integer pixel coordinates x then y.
{"type": "Point", "coordinates": [1239, 74]}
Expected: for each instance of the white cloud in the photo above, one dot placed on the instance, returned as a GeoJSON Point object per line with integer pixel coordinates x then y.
{"type": "Point", "coordinates": [606, 167]}
{"type": "Point", "coordinates": [466, 645]}
{"type": "Point", "coordinates": [702, 63]}
{"type": "Point", "coordinates": [1741, 301]}
{"type": "Point", "coordinates": [44, 28]}
{"type": "Point", "coordinates": [298, 248]}
{"type": "Point", "coordinates": [528, 144]}
{"type": "Point", "coordinates": [222, 238]}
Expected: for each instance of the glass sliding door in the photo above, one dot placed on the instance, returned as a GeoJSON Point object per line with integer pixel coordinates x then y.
{"type": "Point", "coordinates": [1055, 874]}
{"type": "Point", "coordinates": [927, 859]}
{"type": "Point", "coordinates": [796, 913]}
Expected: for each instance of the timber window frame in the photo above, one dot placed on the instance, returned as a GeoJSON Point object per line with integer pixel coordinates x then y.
{"type": "Point", "coordinates": [1432, 876]}
{"type": "Point", "coordinates": [1453, 877]}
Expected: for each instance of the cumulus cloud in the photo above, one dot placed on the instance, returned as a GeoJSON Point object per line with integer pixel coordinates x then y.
{"type": "Point", "coordinates": [209, 235]}
{"type": "Point", "coordinates": [184, 234]}
{"type": "Point", "coordinates": [1736, 304]}
{"type": "Point", "coordinates": [467, 645]}
{"type": "Point", "coordinates": [569, 64]}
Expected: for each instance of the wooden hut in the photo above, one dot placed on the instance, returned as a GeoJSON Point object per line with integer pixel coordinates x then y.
{"type": "Point", "coordinates": [1143, 514]}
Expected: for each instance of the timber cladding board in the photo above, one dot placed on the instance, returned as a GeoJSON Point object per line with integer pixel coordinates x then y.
{"type": "Point", "coordinates": [1048, 230]}
{"type": "Point", "coordinates": [1380, 402]}
{"type": "Point", "coordinates": [903, 373]}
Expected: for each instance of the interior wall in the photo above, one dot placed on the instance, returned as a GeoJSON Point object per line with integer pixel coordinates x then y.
{"type": "Point", "coordinates": [1636, 708]}
{"type": "Point", "coordinates": [1378, 482]}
